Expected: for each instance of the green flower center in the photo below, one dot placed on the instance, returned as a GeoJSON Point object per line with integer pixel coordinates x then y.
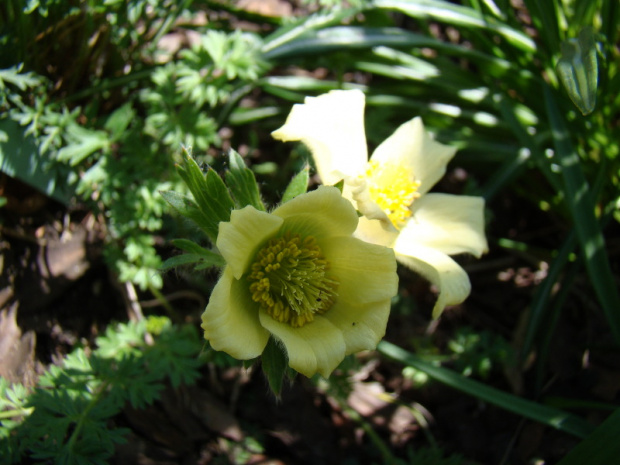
{"type": "Point", "coordinates": [393, 188]}
{"type": "Point", "coordinates": [289, 280]}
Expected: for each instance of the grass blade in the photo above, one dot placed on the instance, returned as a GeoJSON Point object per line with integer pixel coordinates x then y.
{"type": "Point", "coordinates": [545, 17]}
{"type": "Point", "coordinates": [581, 205]}
{"type": "Point", "coordinates": [280, 38]}
{"type": "Point", "coordinates": [457, 15]}
{"type": "Point", "coordinates": [549, 416]}
{"type": "Point", "coordinates": [610, 16]}
{"type": "Point", "coordinates": [349, 37]}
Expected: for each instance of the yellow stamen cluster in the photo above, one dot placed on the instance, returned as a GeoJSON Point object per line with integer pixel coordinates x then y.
{"type": "Point", "coordinates": [289, 281]}
{"type": "Point", "coordinates": [393, 188]}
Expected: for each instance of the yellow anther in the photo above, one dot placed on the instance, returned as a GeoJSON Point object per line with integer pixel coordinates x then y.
{"type": "Point", "coordinates": [288, 280]}
{"type": "Point", "coordinates": [393, 188]}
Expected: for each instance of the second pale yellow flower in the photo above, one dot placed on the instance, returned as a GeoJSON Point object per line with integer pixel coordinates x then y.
{"type": "Point", "coordinates": [392, 189]}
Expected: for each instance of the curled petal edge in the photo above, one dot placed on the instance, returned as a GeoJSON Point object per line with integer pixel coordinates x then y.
{"type": "Point", "coordinates": [441, 270]}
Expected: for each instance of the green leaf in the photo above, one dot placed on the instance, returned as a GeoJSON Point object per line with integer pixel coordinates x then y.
{"type": "Point", "coordinates": [297, 186]}
{"type": "Point", "coordinates": [578, 70]}
{"type": "Point", "coordinates": [555, 418]}
{"type": "Point", "coordinates": [599, 448]}
{"type": "Point", "coordinates": [83, 143]}
{"type": "Point", "coordinates": [118, 122]}
{"type": "Point", "coordinates": [21, 80]}
{"type": "Point", "coordinates": [242, 183]}
{"type": "Point", "coordinates": [275, 365]}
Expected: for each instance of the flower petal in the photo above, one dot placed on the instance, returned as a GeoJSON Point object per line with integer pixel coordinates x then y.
{"type": "Point", "coordinates": [332, 126]}
{"type": "Point", "coordinates": [375, 232]}
{"type": "Point", "coordinates": [231, 322]}
{"type": "Point", "coordinates": [413, 147]}
{"type": "Point", "coordinates": [452, 224]}
{"type": "Point", "coordinates": [320, 213]}
{"type": "Point", "coordinates": [362, 326]}
{"type": "Point", "coordinates": [365, 272]}
{"type": "Point", "coordinates": [315, 347]}
{"type": "Point", "coordinates": [356, 189]}
{"type": "Point", "coordinates": [439, 269]}
{"type": "Point", "coordinates": [239, 239]}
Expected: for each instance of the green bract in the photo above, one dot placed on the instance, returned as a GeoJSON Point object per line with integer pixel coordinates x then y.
{"type": "Point", "coordinates": [306, 262]}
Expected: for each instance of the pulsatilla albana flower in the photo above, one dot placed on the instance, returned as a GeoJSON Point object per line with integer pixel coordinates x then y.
{"type": "Point", "coordinates": [299, 275]}
{"type": "Point", "coordinates": [391, 189]}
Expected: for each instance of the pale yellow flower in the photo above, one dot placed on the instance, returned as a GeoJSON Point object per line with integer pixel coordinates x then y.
{"type": "Point", "coordinates": [298, 274]}
{"type": "Point", "coordinates": [391, 189]}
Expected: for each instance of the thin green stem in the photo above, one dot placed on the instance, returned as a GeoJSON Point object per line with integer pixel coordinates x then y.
{"type": "Point", "coordinates": [101, 390]}
{"type": "Point", "coordinates": [164, 302]}
{"type": "Point", "coordinates": [384, 450]}
{"type": "Point", "coordinates": [108, 84]}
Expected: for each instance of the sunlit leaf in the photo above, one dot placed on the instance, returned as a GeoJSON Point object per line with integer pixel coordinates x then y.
{"type": "Point", "coordinates": [458, 15]}
{"type": "Point", "coordinates": [290, 33]}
